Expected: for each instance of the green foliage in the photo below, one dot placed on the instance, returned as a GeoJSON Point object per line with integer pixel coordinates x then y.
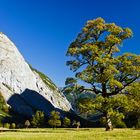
{"type": "Point", "coordinates": [3, 109]}
{"type": "Point", "coordinates": [13, 126]}
{"type": "Point", "coordinates": [104, 105]}
{"type": "Point", "coordinates": [112, 108]}
{"type": "Point", "coordinates": [116, 121]}
{"type": "Point", "coordinates": [94, 60]}
{"type": "Point", "coordinates": [1, 125]}
{"type": "Point", "coordinates": [3, 105]}
{"type": "Point", "coordinates": [66, 122]}
{"type": "Point", "coordinates": [38, 119]}
{"type": "Point", "coordinates": [7, 125]}
{"type": "Point", "coordinates": [54, 120]}
{"type": "Point", "coordinates": [138, 124]}
{"type": "Point", "coordinates": [133, 94]}
{"type": "Point", "coordinates": [120, 124]}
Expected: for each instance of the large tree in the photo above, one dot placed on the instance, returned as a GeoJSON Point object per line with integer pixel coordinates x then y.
{"type": "Point", "coordinates": [96, 60]}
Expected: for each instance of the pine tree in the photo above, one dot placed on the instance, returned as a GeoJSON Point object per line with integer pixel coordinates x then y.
{"type": "Point", "coordinates": [54, 120]}
{"type": "Point", "coordinates": [38, 119]}
{"type": "Point", "coordinates": [66, 122]}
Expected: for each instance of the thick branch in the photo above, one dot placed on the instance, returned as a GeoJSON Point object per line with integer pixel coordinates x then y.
{"type": "Point", "coordinates": [123, 78]}
{"type": "Point", "coordinates": [104, 89]}
{"type": "Point", "coordinates": [124, 86]}
{"type": "Point", "coordinates": [80, 66]}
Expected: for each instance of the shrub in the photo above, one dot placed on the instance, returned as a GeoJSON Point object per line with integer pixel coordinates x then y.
{"type": "Point", "coordinates": [66, 122]}
{"type": "Point", "coordinates": [7, 125]}
{"type": "Point", "coordinates": [5, 108]}
{"type": "Point", "coordinates": [13, 126]}
{"type": "Point", "coordinates": [138, 124]}
{"type": "Point", "coordinates": [120, 124]}
{"type": "Point", "coordinates": [1, 125]}
{"type": "Point", "coordinates": [117, 123]}
{"type": "Point", "coordinates": [3, 105]}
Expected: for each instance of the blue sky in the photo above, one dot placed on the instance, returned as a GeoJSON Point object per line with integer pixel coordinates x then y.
{"type": "Point", "coordinates": [43, 29]}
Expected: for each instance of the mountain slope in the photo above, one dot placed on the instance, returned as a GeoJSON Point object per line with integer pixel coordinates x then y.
{"type": "Point", "coordinates": [24, 88]}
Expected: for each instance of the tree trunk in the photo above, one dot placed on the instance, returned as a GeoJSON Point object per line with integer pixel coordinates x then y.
{"type": "Point", "coordinates": [77, 127]}
{"type": "Point", "coordinates": [109, 126]}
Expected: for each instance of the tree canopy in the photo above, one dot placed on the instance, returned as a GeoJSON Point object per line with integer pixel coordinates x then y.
{"type": "Point", "coordinates": [54, 119]}
{"type": "Point", "coordinates": [100, 68]}
{"type": "Point", "coordinates": [38, 119]}
{"type": "Point", "coordinates": [94, 59]}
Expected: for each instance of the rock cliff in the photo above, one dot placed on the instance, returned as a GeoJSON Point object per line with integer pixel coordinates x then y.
{"type": "Point", "coordinates": [24, 88]}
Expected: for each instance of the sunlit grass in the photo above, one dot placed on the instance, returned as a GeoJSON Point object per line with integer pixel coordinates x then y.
{"type": "Point", "coordinates": [71, 134]}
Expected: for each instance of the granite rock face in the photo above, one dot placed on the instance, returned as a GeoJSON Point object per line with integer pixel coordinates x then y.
{"type": "Point", "coordinates": [22, 87]}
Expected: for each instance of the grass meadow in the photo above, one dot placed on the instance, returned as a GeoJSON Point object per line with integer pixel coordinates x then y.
{"type": "Point", "coordinates": [70, 134]}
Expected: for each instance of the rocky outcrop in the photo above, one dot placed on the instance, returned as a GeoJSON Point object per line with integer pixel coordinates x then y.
{"type": "Point", "coordinates": [24, 88]}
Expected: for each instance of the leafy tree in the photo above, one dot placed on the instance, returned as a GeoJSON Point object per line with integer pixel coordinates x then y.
{"type": "Point", "coordinates": [112, 108]}
{"type": "Point", "coordinates": [7, 125]}
{"type": "Point", "coordinates": [38, 119]}
{"type": "Point", "coordinates": [27, 123]}
{"type": "Point", "coordinates": [3, 105]}
{"type": "Point", "coordinates": [66, 122]}
{"type": "Point", "coordinates": [13, 126]}
{"type": "Point", "coordinates": [134, 97]}
{"type": "Point", "coordinates": [54, 120]}
{"type": "Point", "coordinates": [133, 94]}
{"type": "Point", "coordinates": [95, 60]}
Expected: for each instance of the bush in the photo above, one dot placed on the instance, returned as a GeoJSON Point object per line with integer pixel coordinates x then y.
{"type": "Point", "coordinates": [66, 122]}
{"type": "Point", "coordinates": [13, 126]}
{"type": "Point", "coordinates": [3, 105]}
{"type": "Point", "coordinates": [7, 125]}
{"type": "Point", "coordinates": [102, 121]}
{"type": "Point", "coordinates": [1, 125]}
{"type": "Point", "coordinates": [5, 108]}
{"type": "Point", "coordinates": [138, 124]}
{"type": "Point", "coordinates": [120, 125]}
{"type": "Point", "coordinates": [117, 123]}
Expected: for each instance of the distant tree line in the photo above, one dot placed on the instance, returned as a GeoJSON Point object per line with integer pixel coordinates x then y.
{"type": "Point", "coordinates": [39, 120]}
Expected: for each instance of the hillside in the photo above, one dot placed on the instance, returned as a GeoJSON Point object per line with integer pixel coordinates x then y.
{"type": "Point", "coordinates": [24, 88]}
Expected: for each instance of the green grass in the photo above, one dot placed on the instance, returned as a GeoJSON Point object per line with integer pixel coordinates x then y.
{"type": "Point", "coordinates": [71, 134]}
